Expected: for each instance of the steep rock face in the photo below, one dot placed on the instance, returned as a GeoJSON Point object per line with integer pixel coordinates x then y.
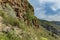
{"type": "Point", "coordinates": [19, 6]}
{"type": "Point", "coordinates": [17, 22]}
{"type": "Point", "coordinates": [22, 9]}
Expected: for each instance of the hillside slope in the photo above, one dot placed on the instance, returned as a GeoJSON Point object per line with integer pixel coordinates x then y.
{"type": "Point", "coordinates": [17, 22]}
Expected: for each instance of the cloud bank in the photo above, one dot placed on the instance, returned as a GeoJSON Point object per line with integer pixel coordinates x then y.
{"type": "Point", "coordinates": [47, 9]}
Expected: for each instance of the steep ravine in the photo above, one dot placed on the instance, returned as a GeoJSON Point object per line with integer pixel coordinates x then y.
{"type": "Point", "coordinates": [17, 22]}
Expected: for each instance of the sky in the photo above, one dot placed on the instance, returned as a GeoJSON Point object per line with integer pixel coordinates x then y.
{"type": "Point", "coordinates": [46, 9]}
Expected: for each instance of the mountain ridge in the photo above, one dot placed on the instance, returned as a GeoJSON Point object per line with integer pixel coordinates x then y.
{"type": "Point", "coordinates": [56, 22]}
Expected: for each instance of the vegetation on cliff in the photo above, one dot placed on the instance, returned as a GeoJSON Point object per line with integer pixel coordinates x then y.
{"type": "Point", "coordinates": [17, 22]}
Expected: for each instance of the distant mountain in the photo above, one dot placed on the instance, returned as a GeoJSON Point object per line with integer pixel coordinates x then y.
{"type": "Point", "coordinates": [50, 26]}
{"type": "Point", "coordinates": [56, 22]}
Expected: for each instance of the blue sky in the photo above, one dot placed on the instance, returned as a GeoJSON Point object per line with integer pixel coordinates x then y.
{"type": "Point", "coordinates": [46, 9]}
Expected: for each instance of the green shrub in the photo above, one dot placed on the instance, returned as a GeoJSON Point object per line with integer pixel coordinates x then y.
{"type": "Point", "coordinates": [9, 19]}
{"type": "Point", "coordinates": [3, 37]}
{"type": "Point", "coordinates": [28, 16]}
{"type": "Point", "coordinates": [12, 36]}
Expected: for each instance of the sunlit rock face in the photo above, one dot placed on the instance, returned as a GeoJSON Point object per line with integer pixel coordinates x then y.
{"type": "Point", "coordinates": [17, 22]}
{"type": "Point", "coordinates": [19, 6]}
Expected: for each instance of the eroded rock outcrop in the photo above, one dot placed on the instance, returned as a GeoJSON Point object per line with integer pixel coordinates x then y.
{"type": "Point", "coordinates": [17, 22]}
{"type": "Point", "coordinates": [21, 7]}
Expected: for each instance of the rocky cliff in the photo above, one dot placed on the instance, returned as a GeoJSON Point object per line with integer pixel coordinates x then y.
{"type": "Point", "coordinates": [17, 22]}
{"type": "Point", "coordinates": [21, 8]}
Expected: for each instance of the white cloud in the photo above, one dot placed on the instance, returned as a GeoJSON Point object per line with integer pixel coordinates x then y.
{"type": "Point", "coordinates": [55, 17]}
{"type": "Point", "coordinates": [43, 1]}
{"type": "Point", "coordinates": [55, 6]}
{"type": "Point", "coordinates": [40, 13]}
